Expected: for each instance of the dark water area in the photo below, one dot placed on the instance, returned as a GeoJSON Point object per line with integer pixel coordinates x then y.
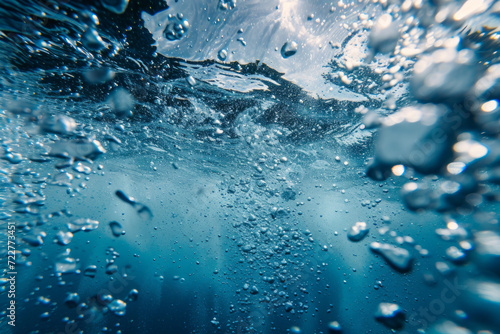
{"type": "Point", "coordinates": [249, 167]}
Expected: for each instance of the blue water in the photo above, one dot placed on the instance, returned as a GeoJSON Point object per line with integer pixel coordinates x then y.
{"type": "Point", "coordinates": [249, 167]}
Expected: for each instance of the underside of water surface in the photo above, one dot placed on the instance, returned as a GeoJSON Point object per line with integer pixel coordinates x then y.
{"type": "Point", "coordinates": [251, 166]}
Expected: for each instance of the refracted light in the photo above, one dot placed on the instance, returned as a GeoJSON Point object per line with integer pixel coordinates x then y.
{"type": "Point", "coordinates": [472, 148]}
{"type": "Point", "coordinates": [489, 106]}
{"type": "Point", "coordinates": [450, 187]}
{"type": "Point", "coordinates": [488, 291]}
{"type": "Point", "coordinates": [461, 146]}
{"type": "Point", "coordinates": [455, 167]}
{"type": "Point", "coordinates": [469, 8]}
{"type": "Point", "coordinates": [384, 21]}
{"type": "Point", "coordinates": [414, 116]}
{"type": "Point", "coordinates": [466, 245]}
{"type": "Point", "coordinates": [452, 225]}
{"type": "Point", "coordinates": [398, 170]}
{"type": "Point", "coordinates": [410, 186]}
{"type": "Point", "coordinates": [477, 150]}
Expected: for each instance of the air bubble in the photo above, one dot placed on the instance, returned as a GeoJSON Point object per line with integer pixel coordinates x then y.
{"type": "Point", "coordinates": [289, 49]}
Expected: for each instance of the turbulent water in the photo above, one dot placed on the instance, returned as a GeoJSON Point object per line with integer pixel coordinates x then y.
{"type": "Point", "coordinates": [249, 166]}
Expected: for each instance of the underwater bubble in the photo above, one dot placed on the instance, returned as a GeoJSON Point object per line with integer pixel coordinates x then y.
{"type": "Point", "coordinates": [81, 168]}
{"type": "Point", "coordinates": [191, 81]}
{"type": "Point", "coordinates": [90, 271]}
{"type": "Point", "coordinates": [358, 231]}
{"type": "Point", "coordinates": [144, 212]}
{"type": "Point", "coordinates": [79, 149]}
{"type": "Point", "coordinates": [384, 35]}
{"type": "Point", "coordinates": [444, 75]}
{"type": "Point", "coordinates": [115, 6]}
{"type": "Point", "coordinates": [289, 49]}
{"type": "Point", "coordinates": [133, 295]}
{"type": "Point", "coordinates": [58, 124]}
{"type": "Point", "coordinates": [398, 170]}
{"type": "Point", "coordinates": [30, 198]}
{"type": "Point", "coordinates": [116, 228]}
{"type": "Point", "coordinates": [14, 158]}
{"type": "Point", "coordinates": [247, 248]}
{"type": "Point", "coordinates": [408, 138]}
{"type": "Point", "coordinates": [98, 75]}
{"type": "Point", "coordinates": [398, 258]}
{"type": "Point", "coordinates": [334, 328]}
{"type": "Point", "coordinates": [64, 238]}
{"type": "Point", "coordinates": [222, 54]}
{"type": "Point", "coordinates": [105, 298]}
{"type": "Point", "coordinates": [470, 8]}
{"type": "Point", "coordinates": [452, 232]}
{"type": "Point", "coordinates": [227, 4]}
{"type": "Point", "coordinates": [371, 120]}
{"type": "Point", "coordinates": [61, 178]}
{"type": "Point", "coordinates": [455, 167]}
{"type": "Point", "coordinates": [242, 41]}
{"type": "Point", "coordinates": [448, 327]}
{"type": "Point", "coordinates": [66, 265]}
{"type": "Point", "coordinates": [127, 199]}
{"type": "Point", "coordinates": [113, 139]}
{"type": "Point", "coordinates": [111, 268]}
{"type": "Point", "coordinates": [470, 150]}
{"type": "Point", "coordinates": [176, 27]}
{"type": "Point", "coordinates": [82, 224]}
{"type": "Point", "coordinates": [487, 252]}
{"type": "Point", "coordinates": [489, 106]}
{"type": "Point", "coordinates": [121, 102]}
{"type": "Point", "coordinates": [444, 268]}
{"type": "Point", "coordinates": [417, 196]}
{"type": "Point", "coordinates": [456, 255]}
{"type": "Point", "coordinates": [118, 307]}
{"type": "Point", "coordinates": [430, 279]}
{"type": "Point", "coordinates": [93, 40]}
{"type": "Point", "coordinates": [72, 300]}
{"type": "Point", "coordinates": [481, 300]}
{"type": "Point", "coordinates": [89, 18]}
{"type": "Point", "coordinates": [43, 300]}
{"type": "Point", "coordinates": [390, 315]}
{"type": "Point", "coordinates": [34, 240]}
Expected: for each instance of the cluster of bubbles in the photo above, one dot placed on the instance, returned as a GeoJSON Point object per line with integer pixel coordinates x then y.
{"type": "Point", "coordinates": [35, 137]}
{"type": "Point", "coordinates": [444, 140]}
{"type": "Point", "coordinates": [176, 27]}
{"type": "Point", "coordinates": [227, 4]}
